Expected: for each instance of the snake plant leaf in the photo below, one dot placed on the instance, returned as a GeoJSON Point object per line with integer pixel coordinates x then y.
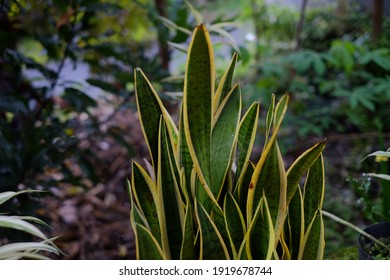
{"type": "Point", "coordinates": [278, 114]}
{"type": "Point", "coordinates": [225, 83]}
{"type": "Point", "coordinates": [295, 228]}
{"type": "Point", "coordinates": [219, 221]}
{"type": "Point", "coordinates": [171, 211]}
{"type": "Point", "coordinates": [260, 236]}
{"type": "Point", "coordinates": [313, 191]}
{"type": "Point", "coordinates": [138, 217]}
{"type": "Point", "coordinates": [197, 101]}
{"type": "Point", "coordinates": [188, 245]}
{"type": "Point", "coordinates": [223, 138]}
{"type": "Point", "coordinates": [243, 253]}
{"type": "Point", "coordinates": [275, 115]}
{"type": "Point", "coordinates": [280, 110]}
{"type": "Point", "coordinates": [150, 108]}
{"type": "Point", "coordinates": [242, 189]}
{"type": "Point", "coordinates": [185, 160]}
{"type": "Point", "coordinates": [203, 194]}
{"type": "Point", "coordinates": [273, 184]}
{"type": "Point", "coordinates": [246, 139]}
{"type": "Point", "coordinates": [313, 244]}
{"type": "Point", "coordinates": [145, 195]}
{"type": "Point", "coordinates": [285, 255]}
{"type": "Point", "coordinates": [235, 223]}
{"type": "Point", "coordinates": [212, 246]}
{"type": "Point", "coordinates": [148, 247]}
{"type": "Point", "coordinates": [300, 166]}
{"type": "Point", "coordinates": [269, 119]}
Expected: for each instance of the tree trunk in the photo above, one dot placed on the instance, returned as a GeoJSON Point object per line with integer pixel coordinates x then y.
{"type": "Point", "coordinates": [299, 29]}
{"type": "Point", "coordinates": [164, 53]}
{"type": "Point", "coordinates": [377, 16]}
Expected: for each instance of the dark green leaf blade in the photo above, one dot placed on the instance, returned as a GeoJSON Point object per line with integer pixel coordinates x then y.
{"type": "Point", "coordinates": [169, 194]}
{"type": "Point", "coordinates": [313, 192]}
{"type": "Point", "coordinates": [145, 198]}
{"type": "Point", "coordinates": [211, 242]}
{"type": "Point", "coordinates": [149, 110]}
{"type": "Point", "coordinates": [246, 137]}
{"type": "Point", "coordinates": [235, 223]}
{"type": "Point", "coordinates": [225, 84]}
{"type": "Point", "coordinates": [300, 166]}
{"type": "Point", "coordinates": [223, 138]}
{"type": "Point", "coordinates": [188, 245]}
{"type": "Point", "coordinates": [314, 242]}
{"type": "Point", "coordinates": [197, 101]}
{"type": "Point", "coordinates": [148, 248]}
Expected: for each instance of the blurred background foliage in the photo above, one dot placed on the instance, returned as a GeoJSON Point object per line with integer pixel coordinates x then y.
{"type": "Point", "coordinates": [67, 108]}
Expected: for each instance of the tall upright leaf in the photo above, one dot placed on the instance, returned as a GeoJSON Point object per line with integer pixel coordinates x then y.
{"type": "Point", "coordinates": [277, 116]}
{"type": "Point", "coordinates": [312, 247]}
{"type": "Point", "coordinates": [260, 238]}
{"type": "Point", "coordinates": [223, 138]}
{"type": "Point", "coordinates": [313, 192]}
{"type": "Point", "coordinates": [185, 160]}
{"type": "Point", "coordinates": [197, 101]}
{"type": "Point", "coordinates": [149, 108]}
{"type": "Point", "coordinates": [295, 228]}
{"type": "Point", "coordinates": [225, 84]}
{"type": "Point", "coordinates": [246, 139]}
{"type": "Point", "coordinates": [168, 191]}
{"type": "Point", "coordinates": [273, 184]}
{"type": "Point", "coordinates": [188, 244]}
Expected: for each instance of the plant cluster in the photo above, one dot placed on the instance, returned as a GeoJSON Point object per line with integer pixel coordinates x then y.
{"type": "Point", "coordinates": [201, 197]}
{"type": "Point", "coordinates": [30, 250]}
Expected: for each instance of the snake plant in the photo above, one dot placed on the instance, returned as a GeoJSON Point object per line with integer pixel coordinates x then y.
{"type": "Point", "coordinates": [200, 196]}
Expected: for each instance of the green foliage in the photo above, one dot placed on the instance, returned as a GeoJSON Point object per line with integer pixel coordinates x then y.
{"type": "Point", "coordinates": [41, 109]}
{"type": "Point", "coordinates": [49, 125]}
{"type": "Point", "coordinates": [353, 81]}
{"type": "Point", "coordinates": [337, 66]}
{"type": "Point", "coordinates": [29, 250]}
{"type": "Point", "coordinates": [201, 197]}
